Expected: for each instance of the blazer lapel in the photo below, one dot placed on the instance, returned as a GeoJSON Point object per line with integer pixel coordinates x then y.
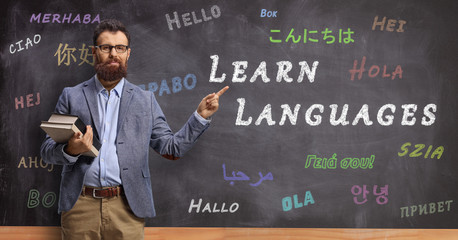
{"type": "Point", "coordinates": [90, 93]}
{"type": "Point", "coordinates": [126, 96]}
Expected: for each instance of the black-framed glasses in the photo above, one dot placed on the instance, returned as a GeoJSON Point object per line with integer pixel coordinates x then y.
{"type": "Point", "coordinates": [106, 48]}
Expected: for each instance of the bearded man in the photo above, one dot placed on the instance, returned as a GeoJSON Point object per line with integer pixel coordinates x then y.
{"type": "Point", "coordinates": [109, 196]}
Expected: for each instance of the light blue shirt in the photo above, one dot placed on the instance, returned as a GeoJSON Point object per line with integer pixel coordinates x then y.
{"type": "Point", "coordinates": [104, 171]}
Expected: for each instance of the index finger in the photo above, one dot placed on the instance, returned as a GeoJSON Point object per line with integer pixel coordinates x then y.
{"type": "Point", "coordinates": [89, 132]}
{"type": "Point", "coordinates": [222, 91]}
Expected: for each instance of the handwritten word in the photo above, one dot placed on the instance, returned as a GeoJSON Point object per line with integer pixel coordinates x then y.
{"type": "Point", "coordinates": [56, 18]}
{"type": "Point", "coordinates": [354, 163]}
{"type": "Point", "coordinates": [282, 74]}
{"type": "Point", "coordinates": [322, 163]}
{"type": "Point", "coordinates": [189, 82]}
{"type": "Point", "coordinates": [310, 36]}
{"type": "Point", "coordinates": [408, 117]}
{"type": "Point", "coordinates": [416, 153]}
{"type": "Point", "coordinates": [381, 199]}
{"type": "Point", "coordinates": [215, 11]}
{"type": "Point", "coordinates": [66, 55]}
{"type": "Point", "coordinates": [373, 71]}
{"type": "Point", "coordinates": [265, 13]}
{"type": "Point", "coordinates": [47, 201]}
{"type": "Point", "coordinates": [29, 98]}
{"type": "Point", "coordinates": [232, 209]}
{"type": "Point", "coordinates": [390, 24]}
{"type": "Point", "coordinates": [240, 176]}
{"type": "Point", "coordinates": [33, 163]}
{"type": "Point", "coordinates": [28, 42]}
{"type": "Point", "coordinates": [423, 209]}
{"type": "Point", "coordinates": [287, 202]}
{"type": "Point", "coordinates": [331, 163]}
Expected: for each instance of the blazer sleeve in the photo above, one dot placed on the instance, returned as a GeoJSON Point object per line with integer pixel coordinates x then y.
{"type": "Point", "coordinates": [173, 145]}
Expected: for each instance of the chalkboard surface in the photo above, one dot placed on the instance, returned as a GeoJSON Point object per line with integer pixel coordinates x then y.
{"type": "Point", "coordinates": [339, 113]}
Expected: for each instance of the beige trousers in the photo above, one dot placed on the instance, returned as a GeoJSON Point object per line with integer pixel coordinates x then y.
{"type": "Point", "coordinates": [101, 218]}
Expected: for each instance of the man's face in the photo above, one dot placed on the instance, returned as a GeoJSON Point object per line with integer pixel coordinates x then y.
{"type": "Point", "coordinates": [111, 66]}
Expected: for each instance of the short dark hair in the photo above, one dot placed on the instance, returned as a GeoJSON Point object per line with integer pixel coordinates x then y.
{"type": "Point", "coordinates": [111, 25]}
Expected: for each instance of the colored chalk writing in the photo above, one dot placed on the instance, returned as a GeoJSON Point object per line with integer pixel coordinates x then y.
{"type": "Point", "coordinates": [67, 55]}
{"type": "Point", "coordinates": [177, 85]}
{"type": "Point", "coordinates": [360, 194]}
{"type": "Point", "coordinates": [390, 24]}
{"type": "Point", "coordinates": [32, 162]}
{"type": "Point", "coordinates": [425, 209]}
{"type": "Point", "coordinates": [240, 176]}
{"type": "Point", "coordinates": [29, 100]}
{"type": "Point", "coordinates": [47, 201]}
{"type": "Point", "coordinates": [333, 163]}
{"type": "Point", "coordinates": [288, 203]}
{"type": "Point", "coordinates": [65, 18]}
{"type": "Point", "coordinates": [419, 150]}
{"type": "Point", "coordinates": [268, 14]}
{"type": "Point", "coordinates": [374, 71]}
{"type": "Point", "coordinates": [326, 35]}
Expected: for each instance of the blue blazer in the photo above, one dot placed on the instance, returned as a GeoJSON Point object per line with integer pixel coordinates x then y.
{"type": "Point", "coordinates": [141, 125]}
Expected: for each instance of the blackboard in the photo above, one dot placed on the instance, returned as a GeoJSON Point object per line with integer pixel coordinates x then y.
{"type": "Point", "coordinates": [307, 135]}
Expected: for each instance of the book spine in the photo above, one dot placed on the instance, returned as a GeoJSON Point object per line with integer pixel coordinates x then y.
{"type": "Point", "coordinates": [96, 143]}
{"type": "Point", "coordinates": [91, 153]}
{"type": "Point", "coordinates": [80, 125]}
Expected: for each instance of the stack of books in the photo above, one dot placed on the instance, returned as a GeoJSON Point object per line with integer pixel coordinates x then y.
{"type": "Point", "coordinates": [61, 127]}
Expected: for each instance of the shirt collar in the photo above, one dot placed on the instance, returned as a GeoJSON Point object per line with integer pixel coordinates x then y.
{"type": "Point", "coordinates": [118, 88]}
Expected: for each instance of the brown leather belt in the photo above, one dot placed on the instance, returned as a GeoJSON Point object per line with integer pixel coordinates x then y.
{"type": "Point", "coordinates": [102, 192]}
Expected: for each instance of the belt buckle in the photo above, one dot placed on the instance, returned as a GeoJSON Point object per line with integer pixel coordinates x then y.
{"type": "Point", "coordinates": [93, 193]}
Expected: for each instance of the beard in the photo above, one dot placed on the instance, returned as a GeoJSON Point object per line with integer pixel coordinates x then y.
{"type": "Point", "coordinates": [110, 73]}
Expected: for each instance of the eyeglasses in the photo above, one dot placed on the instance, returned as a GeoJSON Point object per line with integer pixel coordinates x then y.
{"type": "Point", "coordinates": [106, 48]}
